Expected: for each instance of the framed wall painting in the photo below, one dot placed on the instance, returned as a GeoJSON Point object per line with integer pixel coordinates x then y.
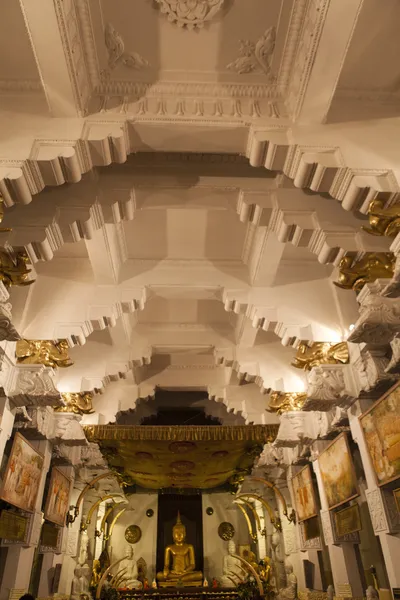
{"type": "Point", "coordinates": [381, 429]}
{"type": "Point", "coordinates": [337, 472]}
{"type": "Point", "coordinates": [57, 502]}
{"type": "Point", "coordinates": [22, 476]}
{"type": "Point", "coordinates": [348, 520]}
{"type": "Point", "coordinates": [304, 496]}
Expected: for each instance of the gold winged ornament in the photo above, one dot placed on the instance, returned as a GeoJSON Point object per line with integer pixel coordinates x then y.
{"type": "Point", "coordinates": [320, 353]}
{"type": "Point", "coordinates": [43, 352]}
{"type": "Point", "coordinates": [13, 268]}
{"type": "Point", "coordinates": [372, 266]}
{"type": "Point", "coordinates": [383, 221]}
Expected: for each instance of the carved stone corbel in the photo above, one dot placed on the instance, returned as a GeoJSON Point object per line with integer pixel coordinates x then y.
{"type": "Point", "coordinates": [295, 428]}
{"type": "Point", "coordinates": [370, 372]}
{"type": "Point", "coordinates": [68, 430]}
{"type": "Point", "coordinates": [383, 511]}
{"type": "Point", "coordinates": [379, 321]}
{"type": "Point", "coordinates": [327, 388]}
{"type": "Point", "coordinates": [7, 329]}
{"type": "Point", "coordinates": [40, 424]}
{"type": "Point", "coordinates": [33, 385]}
{"type": "Point", "coordinates": [394, 363]}
{"type": "Point", "coordinates": [66, 455]}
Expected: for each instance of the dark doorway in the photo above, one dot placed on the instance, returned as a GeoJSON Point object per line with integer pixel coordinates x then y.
{"type": "Point", "coordinates": [191, 516]}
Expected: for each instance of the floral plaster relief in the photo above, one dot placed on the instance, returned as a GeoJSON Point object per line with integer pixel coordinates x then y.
{"type": "Point", "coordinates": [190, 13]}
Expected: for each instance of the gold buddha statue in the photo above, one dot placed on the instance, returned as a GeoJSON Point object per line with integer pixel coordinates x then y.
{"type": "Point", "coordinates": [183, 563]}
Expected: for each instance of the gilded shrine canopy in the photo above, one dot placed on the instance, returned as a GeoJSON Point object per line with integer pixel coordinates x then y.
{"type": "Point", "coordinates": [202, 457]}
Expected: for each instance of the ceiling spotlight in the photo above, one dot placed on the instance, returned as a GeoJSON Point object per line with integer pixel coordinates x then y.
{"type": "Point", "coordinates": [351, 327]}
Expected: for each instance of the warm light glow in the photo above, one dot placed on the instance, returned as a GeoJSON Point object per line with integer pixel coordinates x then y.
{"type": "Point", "coordinates": [351, 327]}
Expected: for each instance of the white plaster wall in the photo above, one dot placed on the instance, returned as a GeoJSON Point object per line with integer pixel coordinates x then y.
{"type": "Point", "coordinates": [215, 548]}
{"type": "Point", "coordinates": [136, 515]}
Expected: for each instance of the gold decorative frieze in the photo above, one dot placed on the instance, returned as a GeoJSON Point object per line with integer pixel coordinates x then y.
{"type": "Point", "coordinates": [13, 268]}
{"type": "Point", "coordinates": [320, 353]}
{"type": "Point", "coordinates": [79, 403]}
{"type": "Point", "coordinates": [372, 266]}
{"type": "Point", "coordinates": [383, 221]}
{"type": "Point", "coordinates": [43, 352]}
{"type": "Point", "coordinates": [281, 402]}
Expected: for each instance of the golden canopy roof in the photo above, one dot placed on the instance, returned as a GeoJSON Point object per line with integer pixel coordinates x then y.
{"type": "Point", "coordinates": [202, 457]}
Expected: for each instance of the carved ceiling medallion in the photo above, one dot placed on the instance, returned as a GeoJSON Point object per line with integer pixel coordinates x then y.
{"type": "Point", "coordinates": [190, 13]}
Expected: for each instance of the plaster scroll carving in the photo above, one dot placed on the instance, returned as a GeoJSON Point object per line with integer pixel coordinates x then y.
{"type": "Point", "coordinates": [295, 428]}
{"type": "Point", "coordinates": [33, 385]}
{"type": "Point", "coordinates": [40, 422]}
{"type": "Point", "coordinates": [117, 55]}
{"type": "Point", "coordinates": [190, 13]}
{"type": "Point", "coordinates": [7, 329]}
{"type": "Point", "coordinates": [327, 527]}
{"type": "Point", "coordinates": [256, 57]}
{"type": "Point", "coordinates": [72, 543]}
{"type": "Point", "coordinates": [326, 388]}
{"type": "Point", "coordinates": [394, 364]}
{"type": "Point", "coordinates": [377, 510]}
{"type": "Point", "coordinates": [67, 430]}
{"type": "Point", "coordinates": [289, 540]}
{"type": "Point", "coordinates": [379, 321]}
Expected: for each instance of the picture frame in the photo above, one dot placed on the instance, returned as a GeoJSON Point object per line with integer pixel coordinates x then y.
{"type": "Point", "coordinates": [22, 475]}
{"type": "Point", "coordinates": [337, 472]}
{"type": "Point", "coordinates": [304, 494]}
{"type": "Point", "coordinates": [396, 494]}
{"type": "Point", "coordinates": [311, 528]}
{"type": "Point", "coordinates": [57, 501]}
{"type": "Point", "coordinates": [348, 520]}
{"type": "Point", "coordinates": [380, 425]}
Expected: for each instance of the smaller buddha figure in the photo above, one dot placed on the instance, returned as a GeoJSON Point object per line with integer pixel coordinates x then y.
{"type": "Point", "coordinates": [181, 555]}
{"type": "Point", "coordinates": [85, 578]}
{"type": "Point", "coordinates": [290, 591]}
{"type": "Point", "coordinates": [131, 574]}
{"type": "Point", "coordinates": [232, 572]}
{"type": "Point", "coordinates": [76, 587]}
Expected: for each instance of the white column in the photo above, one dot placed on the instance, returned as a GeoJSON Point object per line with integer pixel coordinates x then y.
{"type": "Point", "coordinates": [380, 516]}
{"type": "Point", "coordinates": [70, 557]}
{"type": "Point", "coordinates": [342, 556]}
{"type": "Point", "coordinates": [18, 567]}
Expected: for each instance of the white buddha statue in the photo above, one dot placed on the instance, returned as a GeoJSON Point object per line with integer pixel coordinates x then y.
{"type": "Point", "coordinates": [76, 587]}
{"type": "Point", "coordinates": [232, 572]}
{"type": "Point", "coordinates": [290, 591]}
{"type": "Point", "coordinates": [131, 580]}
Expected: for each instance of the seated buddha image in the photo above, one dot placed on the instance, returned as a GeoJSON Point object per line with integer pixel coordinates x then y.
{"type": "Point", "coordinates": [179, 561]}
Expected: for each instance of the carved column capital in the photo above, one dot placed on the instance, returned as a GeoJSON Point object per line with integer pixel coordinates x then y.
{"type": "Point", "coordinates": [68, 430]}
{"type": "Point", "coordinates": [379, 320]}
{"type": "Point", "coordinates": [40, 424]}
{"type": "Point", "coordinates": [370, 373]}
{"type": "Point", "coordinates": [295, 428]}
{"type": "Point", "coordinates": [33, 385]}
{"type": "Point", "coordinates": [327, 388]}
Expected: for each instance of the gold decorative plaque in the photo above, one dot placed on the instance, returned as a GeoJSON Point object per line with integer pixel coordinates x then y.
{"type": "Point", "coordinates": [226, 531]}
{"type": "Point", "coordinates": [133, 533]}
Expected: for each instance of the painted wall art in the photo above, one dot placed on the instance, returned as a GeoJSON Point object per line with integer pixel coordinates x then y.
{"type": "Point", "coordinates": [303, 490]}
{"type": "Point", "coordinates": [337, 472]}
{"type": "Point", "coordinates": [381, 428]}
{"type": "Point", "coordinates": [22, 476]}
{"type": "Point", "coordinates": [57, 502]}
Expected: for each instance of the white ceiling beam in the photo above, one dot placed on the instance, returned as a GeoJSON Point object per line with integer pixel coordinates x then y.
{"type": "Point", "coordinates": [57, 46]}
{"type": "Point", "coordinates": [321, 55]}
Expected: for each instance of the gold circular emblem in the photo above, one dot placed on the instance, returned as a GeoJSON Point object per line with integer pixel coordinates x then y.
{"type": "Point", "coordinates": [133, 533]}
{"type": "Point", "coordinates": [226, 531]}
